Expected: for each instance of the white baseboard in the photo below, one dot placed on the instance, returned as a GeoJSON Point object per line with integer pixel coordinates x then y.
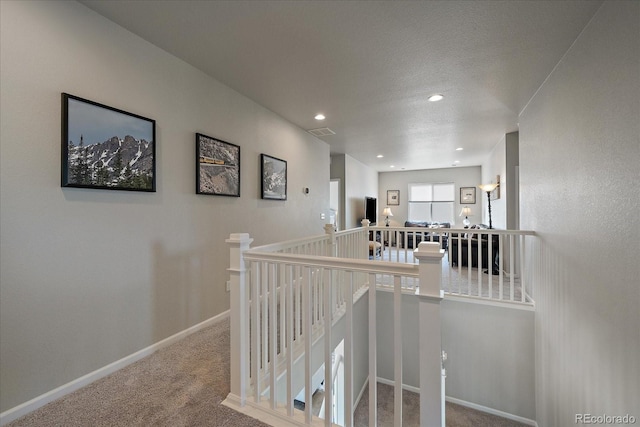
{"type": "Point", "coordinates": [492, 411]}
{"type": "Point", "coordinates": [477, 407]}
{"type": "Point", "coordinates": [273, 417]}
{"type": "Point", "coordinates": [48, 397]}
{"type": "Point", "coordinates": [404, 386]}
{"type": "Point", "coordinates": [364, 386]}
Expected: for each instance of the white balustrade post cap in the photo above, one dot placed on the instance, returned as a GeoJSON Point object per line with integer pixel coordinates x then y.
{"type": "Point", "coordinates": [428, 250]}
{"type": "Point", "coordinates": [429, 247]}
{"type": "Point", "coordinates": [239, 238]}
{"type": "Point", "coordinates": [365, 222]}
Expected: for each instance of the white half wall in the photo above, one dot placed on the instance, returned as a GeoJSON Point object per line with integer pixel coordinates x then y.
{"type": "Point", "coordinates": [90, 276]}
{"type": "Point", "coordinates": [490, 352]}
{"type": "Point", "coordinates": [579, 157]}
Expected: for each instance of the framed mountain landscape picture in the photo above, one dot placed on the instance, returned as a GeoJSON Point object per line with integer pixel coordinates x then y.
{"type": "Point", "coordinates": [274, 177]}
{"type": "Point", "coordinates": [217, 167]}
{"type": "Point", "coordinates": [106, 148]}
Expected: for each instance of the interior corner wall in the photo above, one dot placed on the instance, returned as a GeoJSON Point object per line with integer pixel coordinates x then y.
{"type": "Point", "coordinates": [360, 181]}
{"type": "Point", "coordinates": [460, 176]}
{"type": "Point", "coordinates": [580, 150]}
{"type": "Point", "coordinates": [88, 277]}
{"type": "Point", "coordinates": [512, 179]}
{"type": "Point", "coordinates": [495, 165]}
{"type": "Point", "coordinates": [337, 171]}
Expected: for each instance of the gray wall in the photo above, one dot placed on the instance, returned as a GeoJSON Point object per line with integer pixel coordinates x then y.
{"type": "Point", "coordinates": [490, 352]}
{"type": "Point", "coordinates": [494, 165]}
{"type": "Point", "coordinates": [512, 177]}
{"type": "Point", "coordinates": [337, 171]}
{"type": "Point", "coordinates": [579, 156]}
{"type": "Point", "coordinates": [491, 356]}
{"type": "Point", "coordinates": [90, 276]}
{"type": "Point", "coordinates": [461, 176]}
{"type": "Point", "coordinates": [357, 182]}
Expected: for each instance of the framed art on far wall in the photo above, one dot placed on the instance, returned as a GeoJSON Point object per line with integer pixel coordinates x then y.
{"type": "Point", "coordinates": [393, 197]}
{"type": "Point", "coordinates": [217, 167]}
{"type": "Point", "coordinates": [467, 195]}
{"type": "Point", "coordinates": [495, 194]}
{"type": "Point", "coordinates": [273, 173]}
{"type": "Point", "coordinates": [106, 148]}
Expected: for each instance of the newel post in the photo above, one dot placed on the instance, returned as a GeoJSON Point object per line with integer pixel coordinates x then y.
{"type": "Point", "coordinates": [365, 245]}
{"type": "Point", "coordinates": [332, 249]}
{"type": "Point", "coordinates": [239, 313]}
{"type": "Point", "coordinates": [430, 295]}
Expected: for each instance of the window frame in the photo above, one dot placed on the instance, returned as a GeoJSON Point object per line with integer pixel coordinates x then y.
{"type": "Point", "coordinates": [431, 201]}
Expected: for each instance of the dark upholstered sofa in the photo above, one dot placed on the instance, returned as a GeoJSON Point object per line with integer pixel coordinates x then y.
{"type": "Point", "coordinates": [474, 238]}
{"type": "Point", "coordinates": [435, 234]}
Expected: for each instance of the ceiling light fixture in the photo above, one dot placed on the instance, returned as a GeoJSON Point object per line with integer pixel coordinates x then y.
{"type": "Point", "coordinates": [379, 156]}
{"type": "Point", "coordinates": [320, 117]}
{"type": "Point", "coordinates": [436, 97]}
{"type": "Point", "coordinates": [459, 149]}
{"type": "Point", "coordinates": [392, 166]}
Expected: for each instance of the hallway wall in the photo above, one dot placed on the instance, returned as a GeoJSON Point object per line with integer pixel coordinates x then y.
{"type": "Point", "coordinates": [579, 156]}
{"type": "Point", "coordinates": [91, 276]}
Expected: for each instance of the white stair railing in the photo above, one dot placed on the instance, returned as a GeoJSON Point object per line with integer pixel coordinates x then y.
{"type": "Point", "coordinates": [291, 302]}
{"type": "Point", "coordinates": [286, 310]}
{"type": "Point", "coordinates": [479, 263]}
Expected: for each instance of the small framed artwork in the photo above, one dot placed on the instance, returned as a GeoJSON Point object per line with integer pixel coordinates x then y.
{"type": "Point", "coordinates": [393, 197]}
{"type": "Point", "coordinates": [495, 194]}
{"type": "Point", "coordinates": [106, 148]}
{"type": "Point", "coordinates": [217, 167]}
{"type": "Point", "coordinates": [273, 172]}
{"type": "Point", "coordinates": [467, 195]}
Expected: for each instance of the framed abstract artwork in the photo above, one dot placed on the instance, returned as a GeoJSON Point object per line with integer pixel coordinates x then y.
{"type": "Point", "coordinates": [393, 197]}
{"type": "Point", "coordinates": [106, 148]}
{"type": "Point", "coordinates": [467, 195]}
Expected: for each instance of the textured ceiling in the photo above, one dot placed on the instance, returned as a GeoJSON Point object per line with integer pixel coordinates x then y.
{"type": "Point", "coordinates": [370, 66]}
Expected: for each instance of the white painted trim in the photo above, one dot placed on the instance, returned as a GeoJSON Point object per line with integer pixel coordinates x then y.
{"type": "Point", "coordinates": [273, 417]}
{"type": "Point", "coordinates": [486, 301]}
{"type": "Point", "coordinates": [364, 386]}
{"type": "Point", "coordinates": [492, 411]}
{"type": "Point", "coordinates": [23, 409]}
{"type": "Point", "coordinates": [404, 386]}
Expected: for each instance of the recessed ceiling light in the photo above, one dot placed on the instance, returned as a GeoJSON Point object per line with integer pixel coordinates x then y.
{"type": "Point", "coordinates": [436, 97]}
{"type": "Point", "coordinates": [379, 156]}
{"type": "Point", "coordinates": [459, 149]}
{"type": "Point", "coordinates": [456, 161]}
{"type": "Point", "coordinates": [320, 117]}
{"type": "Point", "coordinates": [392, 166]}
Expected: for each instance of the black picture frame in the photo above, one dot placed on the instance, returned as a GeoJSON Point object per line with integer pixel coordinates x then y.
{"type": "Point", "coordinates": [393, 197]}
{"type": "Point", "coordinates": [273, 177]}
{"type": "Point", "coordinates": [106, 148]}
{"type": "Point", "coordinates": [467, 195]}
{"type": "Point", "coordinates": [217, 167]}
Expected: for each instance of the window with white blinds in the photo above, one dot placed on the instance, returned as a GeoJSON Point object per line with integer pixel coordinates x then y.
{"type": "Point", "coordinates": [432, 202]}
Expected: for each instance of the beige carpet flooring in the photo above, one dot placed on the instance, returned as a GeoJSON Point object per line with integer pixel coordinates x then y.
{"type": "Point", "coordinates": [184, 385]}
